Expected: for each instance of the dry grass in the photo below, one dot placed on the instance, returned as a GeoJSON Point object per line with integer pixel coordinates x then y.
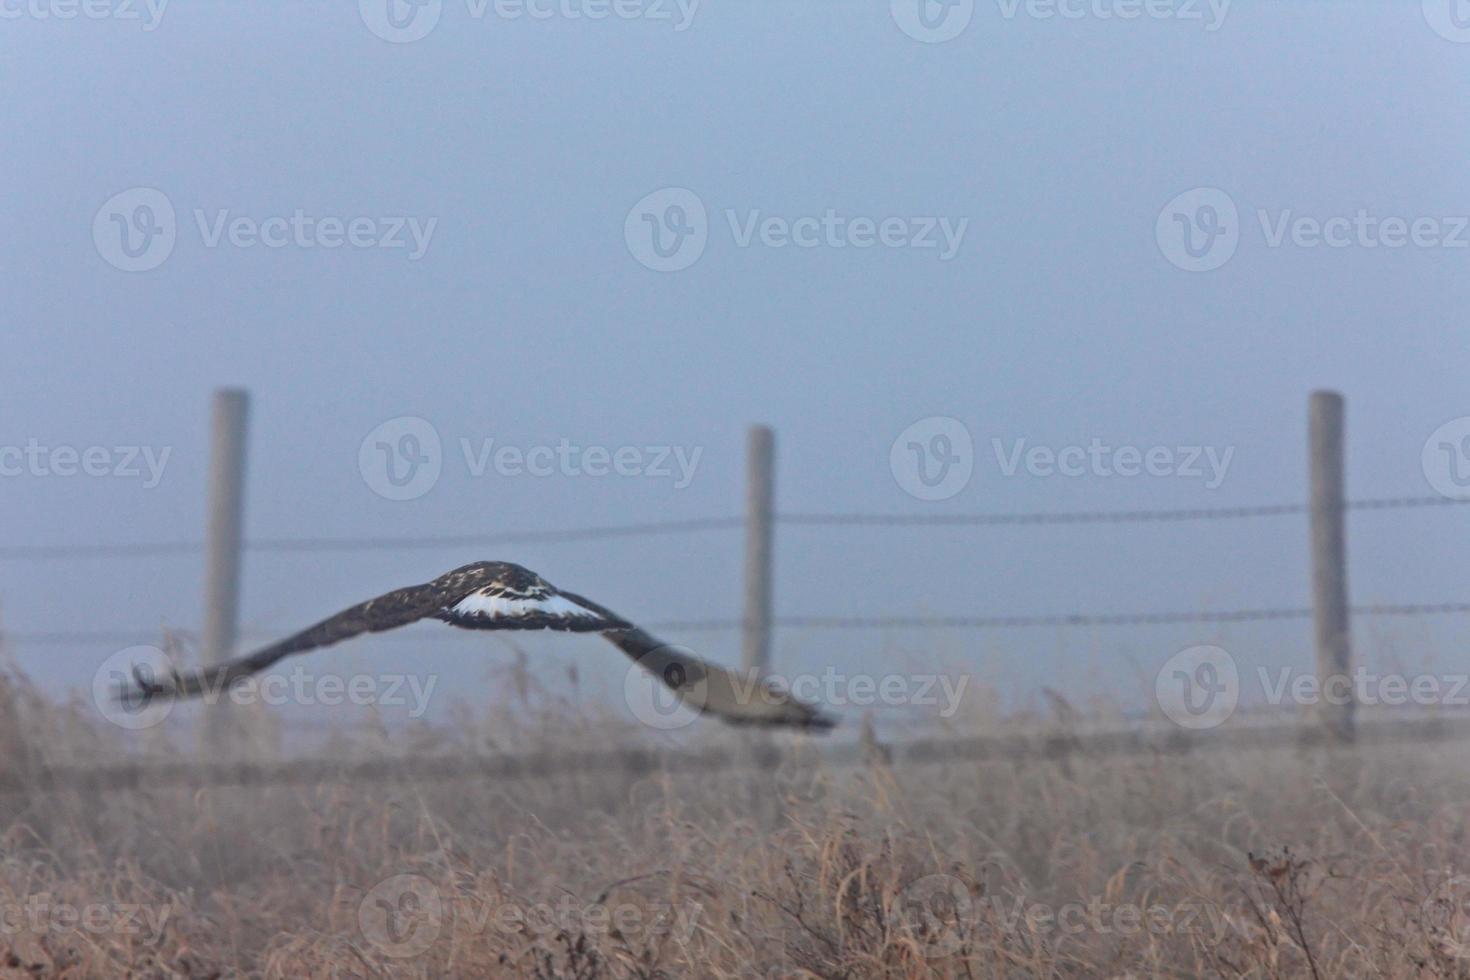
{"type": "Point", "coordinates": [1276, 863]}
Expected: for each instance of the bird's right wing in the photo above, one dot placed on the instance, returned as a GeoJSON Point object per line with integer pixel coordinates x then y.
{"type": "Point", "coordinates": [389, 611]}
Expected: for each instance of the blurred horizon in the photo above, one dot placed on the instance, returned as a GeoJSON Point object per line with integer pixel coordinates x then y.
{"type": "Point", "coordinates": [853, 229]}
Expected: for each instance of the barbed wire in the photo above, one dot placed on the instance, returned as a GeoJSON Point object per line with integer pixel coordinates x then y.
{"type": "Point", "coordinates": [84, 637]}
{"type": "Point", "coordinates": [1056, 744]}
{"type": "Point", "coordinates": [384, 543]}
{"type": "Point", "coordinates": [1106, 516]}
{"type": "Point", "coordinates": [1064, 619]}
{"type": "Point", "coordinates": [298, 545]}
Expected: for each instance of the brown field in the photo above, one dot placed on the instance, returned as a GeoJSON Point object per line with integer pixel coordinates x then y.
{"type": "Point", "coordinates": [1274, 863]}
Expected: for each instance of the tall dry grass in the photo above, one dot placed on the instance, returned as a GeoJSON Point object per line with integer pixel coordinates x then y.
{"type": "Point", "coordinates": [1269, 864]}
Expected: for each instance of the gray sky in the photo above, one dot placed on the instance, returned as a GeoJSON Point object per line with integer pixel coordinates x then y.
{"type": "Point", "coordinates": [529, 318]}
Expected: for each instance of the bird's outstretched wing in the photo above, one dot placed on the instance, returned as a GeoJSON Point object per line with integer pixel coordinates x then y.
{"type": "Point", "coordinates": [737, 698]}
{"type": "Point", "coordinates": [484, 595]}
{"type": "Point", "coordinates": [500, 595]}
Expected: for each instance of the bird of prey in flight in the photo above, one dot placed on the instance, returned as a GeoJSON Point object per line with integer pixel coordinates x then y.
{"type": "Point", "coordinates": [495, 595]}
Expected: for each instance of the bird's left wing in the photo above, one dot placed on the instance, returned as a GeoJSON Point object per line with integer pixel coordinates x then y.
{"type": "Point", "coordinates": [389, 611]}
{"type": "Point", "coordinates": [482, 595]}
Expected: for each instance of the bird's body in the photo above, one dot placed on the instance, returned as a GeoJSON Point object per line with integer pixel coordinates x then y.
{"type": "Point", "coordinates": [496, 595]}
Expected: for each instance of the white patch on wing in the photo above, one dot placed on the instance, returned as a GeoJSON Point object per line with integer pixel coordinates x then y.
{"type": "Point", "coordinates": [480, 605]}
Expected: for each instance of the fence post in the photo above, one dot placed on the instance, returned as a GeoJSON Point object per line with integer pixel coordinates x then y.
{"type": "Point", "coordinates": [222, 547]}
{"type": "Point", "coordinates": [760, 476]}
{"type": "Point", "coordinates": [1329, 565]}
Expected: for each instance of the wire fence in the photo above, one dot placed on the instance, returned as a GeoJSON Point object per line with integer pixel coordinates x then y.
{"type": "Point", "coordinates": [1060, 620]}
{"type": "Point", "coordinates": [758, 755]}
{"type": "Point", "coordinates": [311, 545]}
{"type": "Point", "coordinates": [302, 545]}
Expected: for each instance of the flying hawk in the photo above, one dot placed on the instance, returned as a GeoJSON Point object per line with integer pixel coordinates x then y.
{"type": "Point", "coordinates": [496, 595]}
